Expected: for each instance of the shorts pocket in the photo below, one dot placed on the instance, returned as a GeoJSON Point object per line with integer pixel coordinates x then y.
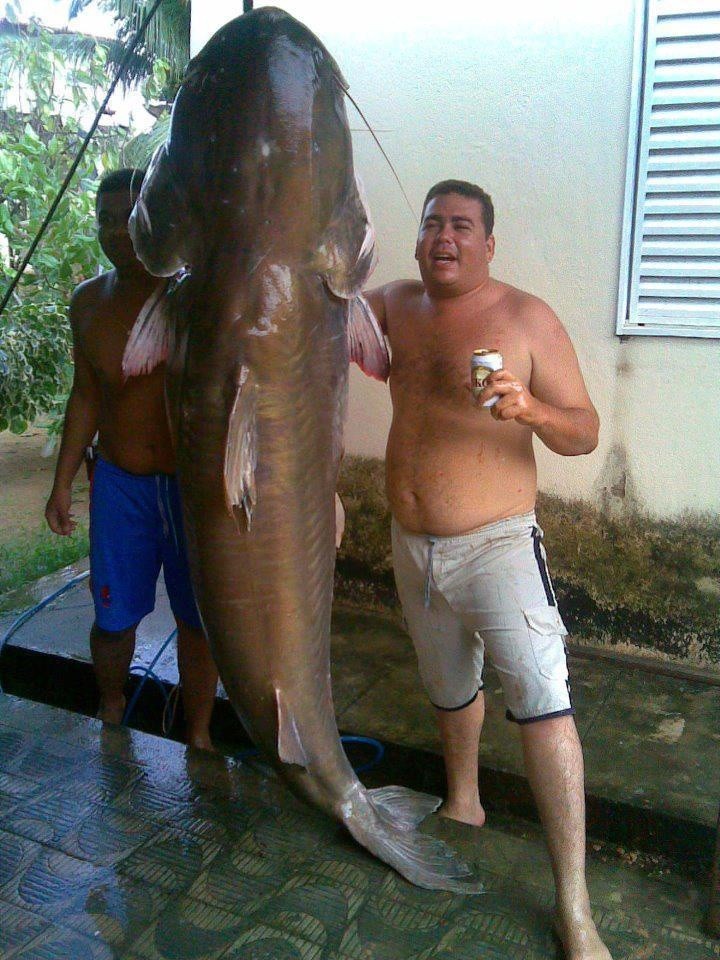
{"type": "Point", "coordinates": [546, 631]}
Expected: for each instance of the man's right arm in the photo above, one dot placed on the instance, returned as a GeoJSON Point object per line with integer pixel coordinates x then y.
{"type": "Point", "coordinates": [81, 423]}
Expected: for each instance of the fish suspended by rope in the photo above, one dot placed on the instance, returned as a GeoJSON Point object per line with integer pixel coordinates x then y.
{"type": "Point", "coordinates": [254, 199]}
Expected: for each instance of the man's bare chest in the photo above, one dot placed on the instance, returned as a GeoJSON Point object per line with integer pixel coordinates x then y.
{"type": "Point", "coordinates": [438, 363]}
{"type": "Point", "coordinates": [104, 346]}
{"type": "Point", "coordinates": [104, 335]}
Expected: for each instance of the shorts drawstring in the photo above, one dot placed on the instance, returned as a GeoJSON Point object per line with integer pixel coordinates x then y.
{"type": "Point", "coordinates": [171, 516]}
{"type": "Point", "coordinates": [165, 508]}
{"type": "Point", "coordinates": [161, 506]}
{"type": "Point", "coordinates": [428, 573]}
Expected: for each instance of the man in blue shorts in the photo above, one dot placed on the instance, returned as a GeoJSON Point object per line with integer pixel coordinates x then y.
{"type": "Point", "coordinates": [135, 516]}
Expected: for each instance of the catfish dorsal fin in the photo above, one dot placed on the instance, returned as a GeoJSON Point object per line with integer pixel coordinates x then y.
{"type": "Point", "coordinates": [289, 745]}
{"type": "Point", "coordinates": [147, 345]}
{"type": "Point", "coordinates": [366, 343]}
{"type": "Point", "coordinates": [241, 449]}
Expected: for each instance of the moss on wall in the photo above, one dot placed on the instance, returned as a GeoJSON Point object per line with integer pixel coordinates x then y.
{"type": "Point", "coordinates": [644, 585]}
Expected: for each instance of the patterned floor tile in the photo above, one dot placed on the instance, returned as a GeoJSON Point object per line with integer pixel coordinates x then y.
{"type": "Point", "coordinates": [262, 942]}
{"type": "Point", "coordinates": [18, 927]}
{"type": "Point", "coordinates": [47, 817]}
{"type": "Point", "coordinates": [116, 910]}
{"type": "Point", "coordinates": [172, 860]}
{"type": "Point", "coordinates": [61, 943]}
{"type": "Point", "coordinates": [107, 836]}
{"type": "Point", "coordinates": [43, 881]}
{"type": "Point", "coordinates": [138, 850]}
{"type": "Point", "coordinates": [189, 930]}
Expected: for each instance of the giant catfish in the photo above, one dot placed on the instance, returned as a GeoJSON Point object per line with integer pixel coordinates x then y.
{"type": "Point", "coordinates": [254, 198]}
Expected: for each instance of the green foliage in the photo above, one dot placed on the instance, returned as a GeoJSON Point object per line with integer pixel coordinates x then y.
{"type": "Point", "coordinates": [31, 555]}
{"type": "Point", "coordinates": [167, 42]}
{"type": "Point", "coordinates": [46, 102]}
{"type": "Point", "coordinates": [138, 151]}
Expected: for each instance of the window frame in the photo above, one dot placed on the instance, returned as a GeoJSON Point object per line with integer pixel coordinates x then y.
{"type": "Point", "coordinates": [628, 323]}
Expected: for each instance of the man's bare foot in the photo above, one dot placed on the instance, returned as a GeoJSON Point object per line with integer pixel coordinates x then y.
{"type": "Point", "coordinates": [471, 813]}
{"type": "Point", "coordinates": [111, 711]}
{"type": "Point", "coordinates": [579, 938]}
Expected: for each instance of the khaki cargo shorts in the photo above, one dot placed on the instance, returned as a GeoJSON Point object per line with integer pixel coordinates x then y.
{"type": "Point", "coordinates": [486, 591]}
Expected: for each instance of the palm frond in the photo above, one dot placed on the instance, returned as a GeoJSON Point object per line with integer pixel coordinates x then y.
{"type": "Point", "coordinates": [167, 36]}
{"type": "Point", "coordinates": [77, 6]}
{"type": "Point", "coordinates": [76, 48]}
{"type": "Point", "coordinates": [168, 33]}
{"type": "Point", "coordinates": [138, 151]}
{"type": "Point", "coordinates": [70, 44]}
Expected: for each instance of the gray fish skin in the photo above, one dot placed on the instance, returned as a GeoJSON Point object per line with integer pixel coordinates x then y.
{"type": "Point", "coordinates": [255, 192]}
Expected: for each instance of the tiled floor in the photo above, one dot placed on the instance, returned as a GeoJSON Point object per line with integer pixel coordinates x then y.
{"type": "Point", "coordinates": [117, 844]}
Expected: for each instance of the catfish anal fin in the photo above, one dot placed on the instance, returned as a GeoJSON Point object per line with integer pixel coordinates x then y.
{"type": "Point", "coordinates": [289, 745]}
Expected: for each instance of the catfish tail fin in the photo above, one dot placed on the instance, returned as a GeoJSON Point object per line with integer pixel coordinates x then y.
{"type": "Point", "coordinates": [385, 823]}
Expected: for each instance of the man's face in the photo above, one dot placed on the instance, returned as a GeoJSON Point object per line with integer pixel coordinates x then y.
{"type": "Point", "coordinates": [452, 250]}
{"type": "Point", "coordinates": [113, 211]}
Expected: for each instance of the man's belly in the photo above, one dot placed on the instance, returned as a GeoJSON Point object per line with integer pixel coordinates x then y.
{"type": "Point", "coordinates": [139, 444]}
{"type": "Point", "coordinates": [139, 459]}
{"type": "Point", "coordinates": [448, 487]}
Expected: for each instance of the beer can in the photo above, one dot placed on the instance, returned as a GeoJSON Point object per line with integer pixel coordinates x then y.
{"type": "Point", "coordinates": [482, 364]}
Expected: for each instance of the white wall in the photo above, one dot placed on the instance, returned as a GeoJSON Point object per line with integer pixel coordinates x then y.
{"type": "Point", "coordinates": [531, 101]}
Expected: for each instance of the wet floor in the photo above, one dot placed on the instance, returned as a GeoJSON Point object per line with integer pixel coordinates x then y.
{"type": "Point", "coordinates": [118, 844]}
{"type": "Point", "coordinates": [650, 742]}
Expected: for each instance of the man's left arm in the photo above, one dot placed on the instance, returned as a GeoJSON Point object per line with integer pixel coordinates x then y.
{"type": "Point", "coordinates": [556, 405]}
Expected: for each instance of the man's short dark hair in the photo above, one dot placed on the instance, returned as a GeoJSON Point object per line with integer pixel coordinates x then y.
{"type": "Point", "coordinates": [129, 178]}
{"type": "Point", "coordinates": [465, 189]}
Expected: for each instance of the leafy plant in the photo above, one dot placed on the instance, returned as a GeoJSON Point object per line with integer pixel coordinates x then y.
{"type": "Point", "coordinates": [46, 100]}
{"type": "Point", "coordinates": [166, 41]}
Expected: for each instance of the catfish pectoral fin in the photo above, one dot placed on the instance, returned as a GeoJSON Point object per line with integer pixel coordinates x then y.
{"type": "Point", "coordinates": [366, 343]}
{"type": "Point", "coordinates": [241, 449]}
{"type": "Point", "coordinates": [423, 860]}
{"type": "Point", "coordinates": [346, 255]}
{"type": "Point", "coordinates": [147, 345]}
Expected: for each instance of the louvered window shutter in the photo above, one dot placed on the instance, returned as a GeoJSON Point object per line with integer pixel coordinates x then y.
{"type": "Point", "coordinates": [670, 271]}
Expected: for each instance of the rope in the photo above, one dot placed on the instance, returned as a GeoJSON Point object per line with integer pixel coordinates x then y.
{"type": "Point", "coordinates": [76, 163]}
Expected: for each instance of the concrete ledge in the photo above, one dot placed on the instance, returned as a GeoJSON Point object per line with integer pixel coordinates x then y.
{"type": "Point", "coordinates": [64, 681]}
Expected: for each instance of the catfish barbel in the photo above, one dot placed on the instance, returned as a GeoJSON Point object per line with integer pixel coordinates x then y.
{"type": "Point", "coordinates": [254, 197]}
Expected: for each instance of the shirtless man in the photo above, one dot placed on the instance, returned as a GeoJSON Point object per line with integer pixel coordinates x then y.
{"type": "Point", "coordinates": [467, 550]}
{"type": "Point", "coordinates": [135, 518]}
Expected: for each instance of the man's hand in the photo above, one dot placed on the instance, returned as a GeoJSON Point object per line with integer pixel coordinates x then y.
{"type": "Point", "coordinates": [567, 430]}
{"type": "Point", "coordinates": [515, 402]}
{"type": "Point", "coordinates": [57, 512]}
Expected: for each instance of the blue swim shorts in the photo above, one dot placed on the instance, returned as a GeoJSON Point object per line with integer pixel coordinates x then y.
{"type": "Point", "coordinates": [135, 529]}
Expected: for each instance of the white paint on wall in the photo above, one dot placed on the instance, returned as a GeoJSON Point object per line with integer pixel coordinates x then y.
{"type": "Point", "coordinates": [531, 101]}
